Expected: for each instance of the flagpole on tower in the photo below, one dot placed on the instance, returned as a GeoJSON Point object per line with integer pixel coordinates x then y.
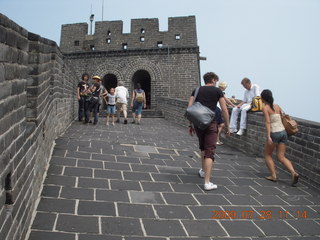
{"type": "Point", "coordinates": [102, 8]}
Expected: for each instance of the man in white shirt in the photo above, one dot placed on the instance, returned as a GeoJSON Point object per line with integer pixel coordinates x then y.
{"type": "Point", "coordinates": [122, 95]}
{"type": "Point", "coordinates": [252, 90]}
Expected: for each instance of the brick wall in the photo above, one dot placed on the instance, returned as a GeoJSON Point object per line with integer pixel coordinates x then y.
{"type": "Point", "coordinates": [173, 65]}
{"type": "Point", "coordinates": [303, 148]}
{"type": "Point", "coordinates": [173, 110]}
{"type": "Point", "coordinates": [37, 103]}
{"type": "Point", "coordinates": [174, 74]}
{"type": "Point", "coordinates": [144, 34]}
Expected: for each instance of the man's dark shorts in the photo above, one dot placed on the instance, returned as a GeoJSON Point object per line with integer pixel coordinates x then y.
{"type": "Point", "coordinates": [208, 140]}
{"type": "Point", "coordinates": [218, 116]}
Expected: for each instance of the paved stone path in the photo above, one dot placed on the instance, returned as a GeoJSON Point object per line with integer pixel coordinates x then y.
{"type": "Point", "coordinates": [131, 182]}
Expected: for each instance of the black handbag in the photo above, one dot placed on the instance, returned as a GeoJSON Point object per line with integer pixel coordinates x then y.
{"type": "Point", "coordinates": [94, 100]}
{"type": "Point", "coordinates": [200, 116]}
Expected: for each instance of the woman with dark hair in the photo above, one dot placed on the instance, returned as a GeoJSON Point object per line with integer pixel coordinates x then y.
{"type": "Point", "coordinates": [138, 101]}
{"type": "Point", "coordinates": [276, 137]}
{"type": "Point", "coordinates": [82, 95]}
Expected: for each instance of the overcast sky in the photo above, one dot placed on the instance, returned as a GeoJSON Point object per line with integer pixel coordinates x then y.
{"type": "Point", "coordinates": [275, 43]}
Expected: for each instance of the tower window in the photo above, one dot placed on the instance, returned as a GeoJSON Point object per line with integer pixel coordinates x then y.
{"type": "Point", "coordinates": [124, 46]}
{"type": "Point", "coordinates": [178, 36]}
{"type": "Point", "coordinates": [142, 31]}
{"type": "Point", "coordinates": [92, 47]}
{"type": "Point", "coordinates": [109, 33]}
{"type": "Point", "coordinates": [160, 44]}
{"type": "Point", "coordinates": [108, 40]}
{"type": "Point", "coordinates": [76, 43]}
{"type": "Point", "coordinates": [141, 39]}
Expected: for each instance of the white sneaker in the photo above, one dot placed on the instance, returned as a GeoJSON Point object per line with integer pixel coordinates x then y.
{"type": "Point", "coordinates": [240, 132]}
{"type": "Point", "coordinates": [210, 186]}
{"type": "Point", "coordinates": [201, 173]}
{"type": "Point", "coordinates": [233, 130]}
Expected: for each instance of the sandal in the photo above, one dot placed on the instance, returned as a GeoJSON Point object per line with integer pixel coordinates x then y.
{"type": "Point", "coordinates": [272, 179]}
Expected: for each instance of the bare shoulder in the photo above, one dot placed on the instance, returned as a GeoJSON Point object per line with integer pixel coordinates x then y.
{"type": "Point", "coordinates": [266, 108]}
{"type": "Point", "coordinates": [277, 108]}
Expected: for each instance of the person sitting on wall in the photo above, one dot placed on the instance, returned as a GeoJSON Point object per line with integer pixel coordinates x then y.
{"type": "Point", "coordinates": [252, 90]}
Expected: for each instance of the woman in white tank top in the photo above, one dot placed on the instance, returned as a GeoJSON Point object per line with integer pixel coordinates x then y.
{"type": "Point", "coordinates": [276, 138]}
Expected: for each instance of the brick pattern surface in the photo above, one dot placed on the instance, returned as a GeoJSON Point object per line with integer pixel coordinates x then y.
{"type": "Point", "coordinates": [121, 196]}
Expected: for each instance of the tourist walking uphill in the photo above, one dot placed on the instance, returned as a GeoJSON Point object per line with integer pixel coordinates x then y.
{"type": "Point", "coordinates": [138, 101]}
{"type": "Point", "coordinates": [209, 96]}
{"type": "Point", "coordinates": [122, 96]}
{"type": "Point", "coordinates": [252, 90]}
{"type": "Point", "coordinates": [276, 137]}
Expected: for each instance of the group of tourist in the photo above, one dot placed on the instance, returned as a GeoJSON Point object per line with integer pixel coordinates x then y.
{"type": "Point", "coordinates": [91, 97]}
{"type": "Point", "coordinates": [209, 95]}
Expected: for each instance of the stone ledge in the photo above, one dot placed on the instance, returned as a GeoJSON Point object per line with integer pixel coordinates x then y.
{"type": "Point", "coordinates": [133, 52]}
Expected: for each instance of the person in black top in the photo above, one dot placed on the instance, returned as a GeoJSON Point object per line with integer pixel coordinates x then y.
{"type": "Point", "coordinates": [94, 101]}
{"type": "Point", "coordinates": [209, 96]}
{"type": "Point", "coordinates": [82, 94]}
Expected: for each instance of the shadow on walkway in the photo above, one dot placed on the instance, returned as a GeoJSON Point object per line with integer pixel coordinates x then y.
{"type": "Point", "coordinates": [132, 182]}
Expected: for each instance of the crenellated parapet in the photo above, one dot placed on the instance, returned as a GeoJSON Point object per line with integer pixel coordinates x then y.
{"type": "Point", "coordinates": [145, 34]}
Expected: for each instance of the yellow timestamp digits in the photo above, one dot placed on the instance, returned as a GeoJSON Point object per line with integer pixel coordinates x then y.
{"type": "Point", "coordinates": [263, 214]}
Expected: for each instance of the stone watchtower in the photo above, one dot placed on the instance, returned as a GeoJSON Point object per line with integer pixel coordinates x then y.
{"type": "Point", "coordinates": [165, 63]}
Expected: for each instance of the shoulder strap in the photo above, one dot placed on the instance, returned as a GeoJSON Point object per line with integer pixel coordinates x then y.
{"type": "Point", "coordinates": [196, 94]}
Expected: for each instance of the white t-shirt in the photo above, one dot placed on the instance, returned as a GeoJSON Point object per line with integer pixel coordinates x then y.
{"type": "Point", "coordinates": [250, 94]}
{"type": "Point", "coordinates": [122, 94]}
{"type": "Point", "coordinates": [111, 99]}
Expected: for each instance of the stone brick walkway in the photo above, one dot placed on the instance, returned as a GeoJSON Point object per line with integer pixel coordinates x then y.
{"type": "Point", "coordinates": [130, 182]}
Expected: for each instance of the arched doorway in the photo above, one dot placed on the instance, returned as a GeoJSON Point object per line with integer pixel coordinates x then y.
{"type": "Point", "coordinates": [143, 77]}
{"type": "Point", "coordinates": [110, 81]}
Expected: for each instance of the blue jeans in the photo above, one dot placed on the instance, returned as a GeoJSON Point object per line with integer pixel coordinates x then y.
{"type": "Point", "coordinates": [137, 107]}
{"type": "Point", "coordinates": [111, 109]}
